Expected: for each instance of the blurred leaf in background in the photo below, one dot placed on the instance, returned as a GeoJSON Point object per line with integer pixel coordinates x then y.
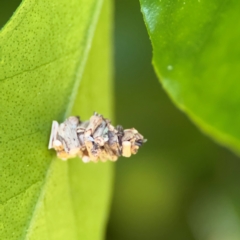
{"type": "Point", "coordinates": [196, 55]}
{"type": "Point", "coordinates": [51, 52]}
{"type": "Point", "coordinates": [167, 190]}
{"type": "Point", "coordinates": [7, 9]}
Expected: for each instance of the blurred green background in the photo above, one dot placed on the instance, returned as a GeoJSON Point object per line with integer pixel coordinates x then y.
{"type": "Point", "coordinates": [181, 185]}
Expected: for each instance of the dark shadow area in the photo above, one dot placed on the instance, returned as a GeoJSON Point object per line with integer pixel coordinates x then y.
{"type": "Point", "coordinates": [7, 8]}
{"type": "Point", "coordinates": [167, 190]}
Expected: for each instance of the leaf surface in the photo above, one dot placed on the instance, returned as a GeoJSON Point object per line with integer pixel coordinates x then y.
{"type": "Point", "coordinates": [196, 54]}
{"type": "Point", "coordinates": [46, 49]}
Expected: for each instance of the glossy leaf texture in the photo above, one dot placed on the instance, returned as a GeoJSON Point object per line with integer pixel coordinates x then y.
{"type": "Point", "coordinates": [55, 60]}
{"type": "Point", "coordinates": [196, 55]}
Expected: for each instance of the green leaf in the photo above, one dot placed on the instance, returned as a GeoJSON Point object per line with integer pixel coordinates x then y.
{"type": "Point", "coordinates": [196, 54]}
{"type": "Point", "coordinates": [51, 66]}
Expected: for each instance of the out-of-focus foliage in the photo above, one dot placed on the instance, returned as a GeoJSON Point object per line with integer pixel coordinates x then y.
{"type": "Point", "coordinates": [7, 9]}
{"type": "Point", "coordinates": [181, 185]}
{"type": "Point", "coordinates": [196, 54]}
{"type": "Point", "coordinates": [54, 58]}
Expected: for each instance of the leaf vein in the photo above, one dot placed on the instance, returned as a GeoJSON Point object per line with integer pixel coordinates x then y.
{"type": "Point", "coordinates": [39, 66]}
